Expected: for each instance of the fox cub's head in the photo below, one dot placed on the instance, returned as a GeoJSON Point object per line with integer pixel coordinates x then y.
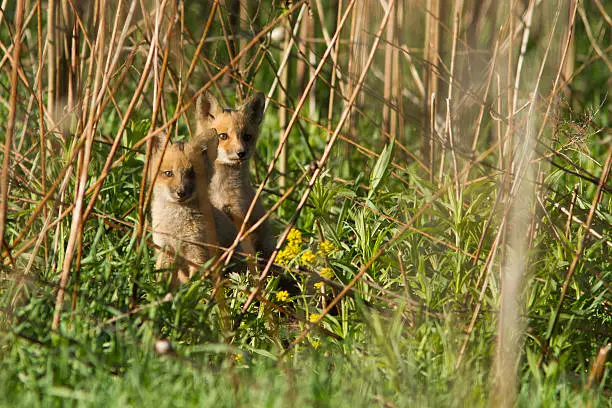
{"type": "Point", "coordinates": [181, 168]}
{"type": "Point", "coordinates": [237, 129]}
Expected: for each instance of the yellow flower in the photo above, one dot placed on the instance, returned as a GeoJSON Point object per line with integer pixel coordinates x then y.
{"type": "Point", "coordinates": [238, 357]}
{"type": "Point", "coordinates": [282, 296]}
{"type": "Point", "coordinates": [314, 317]}
{"type": "Point", "coordinates": [294, 237]}
{"type": "Point", "coordinates": [315, 344]}
{"type": "Point", "coordinates": [308, 257]}
{"type": "Point", "coordinates": [327, 273]}
{"type": "Point", "coordinates": [282, 258]}
{"type": "Point", "coordinates": [286, 255]}
{"type": "Point", "coordinates": [292, 248]}
{"type": "Point", "coordinates": [319, 285]}
{"type": "Point", "coordinates": [326, 247]}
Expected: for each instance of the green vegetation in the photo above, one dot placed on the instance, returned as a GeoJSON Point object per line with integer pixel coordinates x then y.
{"type": "Point", "coordinates": [401, 256]}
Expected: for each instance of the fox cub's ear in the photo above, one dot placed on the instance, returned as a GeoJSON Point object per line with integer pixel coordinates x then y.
{"type": "Point", "coordinates": [158, 141]}
{"type": "Point", "coordinates": [207, 107]}
{"type": "Point", "coordinates": [254, 107]}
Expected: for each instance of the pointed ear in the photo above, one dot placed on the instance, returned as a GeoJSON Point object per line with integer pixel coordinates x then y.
{"type": "Point", "coordinates": [254, 107]}
{"type": "Point", "coordinates": [157, 142]}
{"type": "Point", "coordinates": [207, 107]}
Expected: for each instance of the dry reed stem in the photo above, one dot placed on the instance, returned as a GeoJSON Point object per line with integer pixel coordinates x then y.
{"type": "Point", "coordinates": [509, 325]}
{"type": "Point", "coordinates": [51, 52]}
{"type": "Point", "coordinates": [432, 38]}
{"type": "Point", "coordinates": [390, 50]}
{"type": "Point", "coordinates": [282, 113]}
{"type": "Point", "coordinates": [571, 217]}
{"type": "Point", "coordinates": [484, 98]}
{"type": "Point", "coordinates": [41, 124]}
{"type": "Point", "coordinates": [143, 199]}
{"type": "Point", "coordinates": [521, 59]}
{"type": "Point", "coordinates": [200, 46]}
{"type": "Point", "coordinates": [597, 369]}
{"type": "Point", "coordinates": [79, 216]}
{"type": "Point", "coordinates": [145, 193]}
{"type": "Point", "coordinates": [330, 107]}
{"type": "Point", "coordinates": [8, 142]}
{"type": "Point", "coordinates": [602, 10]}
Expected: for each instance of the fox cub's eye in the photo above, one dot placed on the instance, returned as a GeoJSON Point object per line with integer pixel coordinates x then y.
{"type": "Point", "coordinates": [168, 173]}
{"type": "Point", "coordinates": [247, 137]}
{"type": "Point", "coordinates": [223, 136]}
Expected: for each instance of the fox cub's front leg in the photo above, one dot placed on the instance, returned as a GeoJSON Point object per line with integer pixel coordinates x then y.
{"type": "Point", "coordinates": [174, 266]}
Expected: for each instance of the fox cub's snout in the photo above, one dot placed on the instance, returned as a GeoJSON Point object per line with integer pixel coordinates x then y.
{"type": "Point", "coordinates": [179, 183]}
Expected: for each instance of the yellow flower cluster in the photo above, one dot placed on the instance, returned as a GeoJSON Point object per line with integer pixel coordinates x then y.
{"type": "Point", "coordinates": [286, 255]}
{"type": "Point", "coordinates": [295, 237]}
{"type": "Point", "coordinates": [308, 257]}
{"type": "Point", "coordinates": [326, 247]}
{"type": "Point", "coordinates": [292, 248]}
{"type": "Point", "coordinates": [282, 296]}
{"type": "Point", "coordinates": [327, 273]}
{"type": "Point", "coordinates": [314, 317]}
{"type": "Point", "coordinates": [319, 285]}
{"type": "Point", "coordinates": [315, 344]}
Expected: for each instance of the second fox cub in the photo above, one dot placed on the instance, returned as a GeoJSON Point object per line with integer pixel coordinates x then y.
{"type": "Point", "coordinates": [182, 219]}
{"type": "Point", "coordinates": [230, 186]}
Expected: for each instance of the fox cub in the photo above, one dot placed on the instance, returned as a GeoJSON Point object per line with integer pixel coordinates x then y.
{"type": "Point", "coordinates": [230, 187]}
{"type": "Point", "coordinates": [181, 213]}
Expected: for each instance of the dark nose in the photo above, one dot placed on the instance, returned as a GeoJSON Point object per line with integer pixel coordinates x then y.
{"type": "Point", "coordinates": [185, 192]}
{"type": "Point", "coordinates": [241, 154]}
